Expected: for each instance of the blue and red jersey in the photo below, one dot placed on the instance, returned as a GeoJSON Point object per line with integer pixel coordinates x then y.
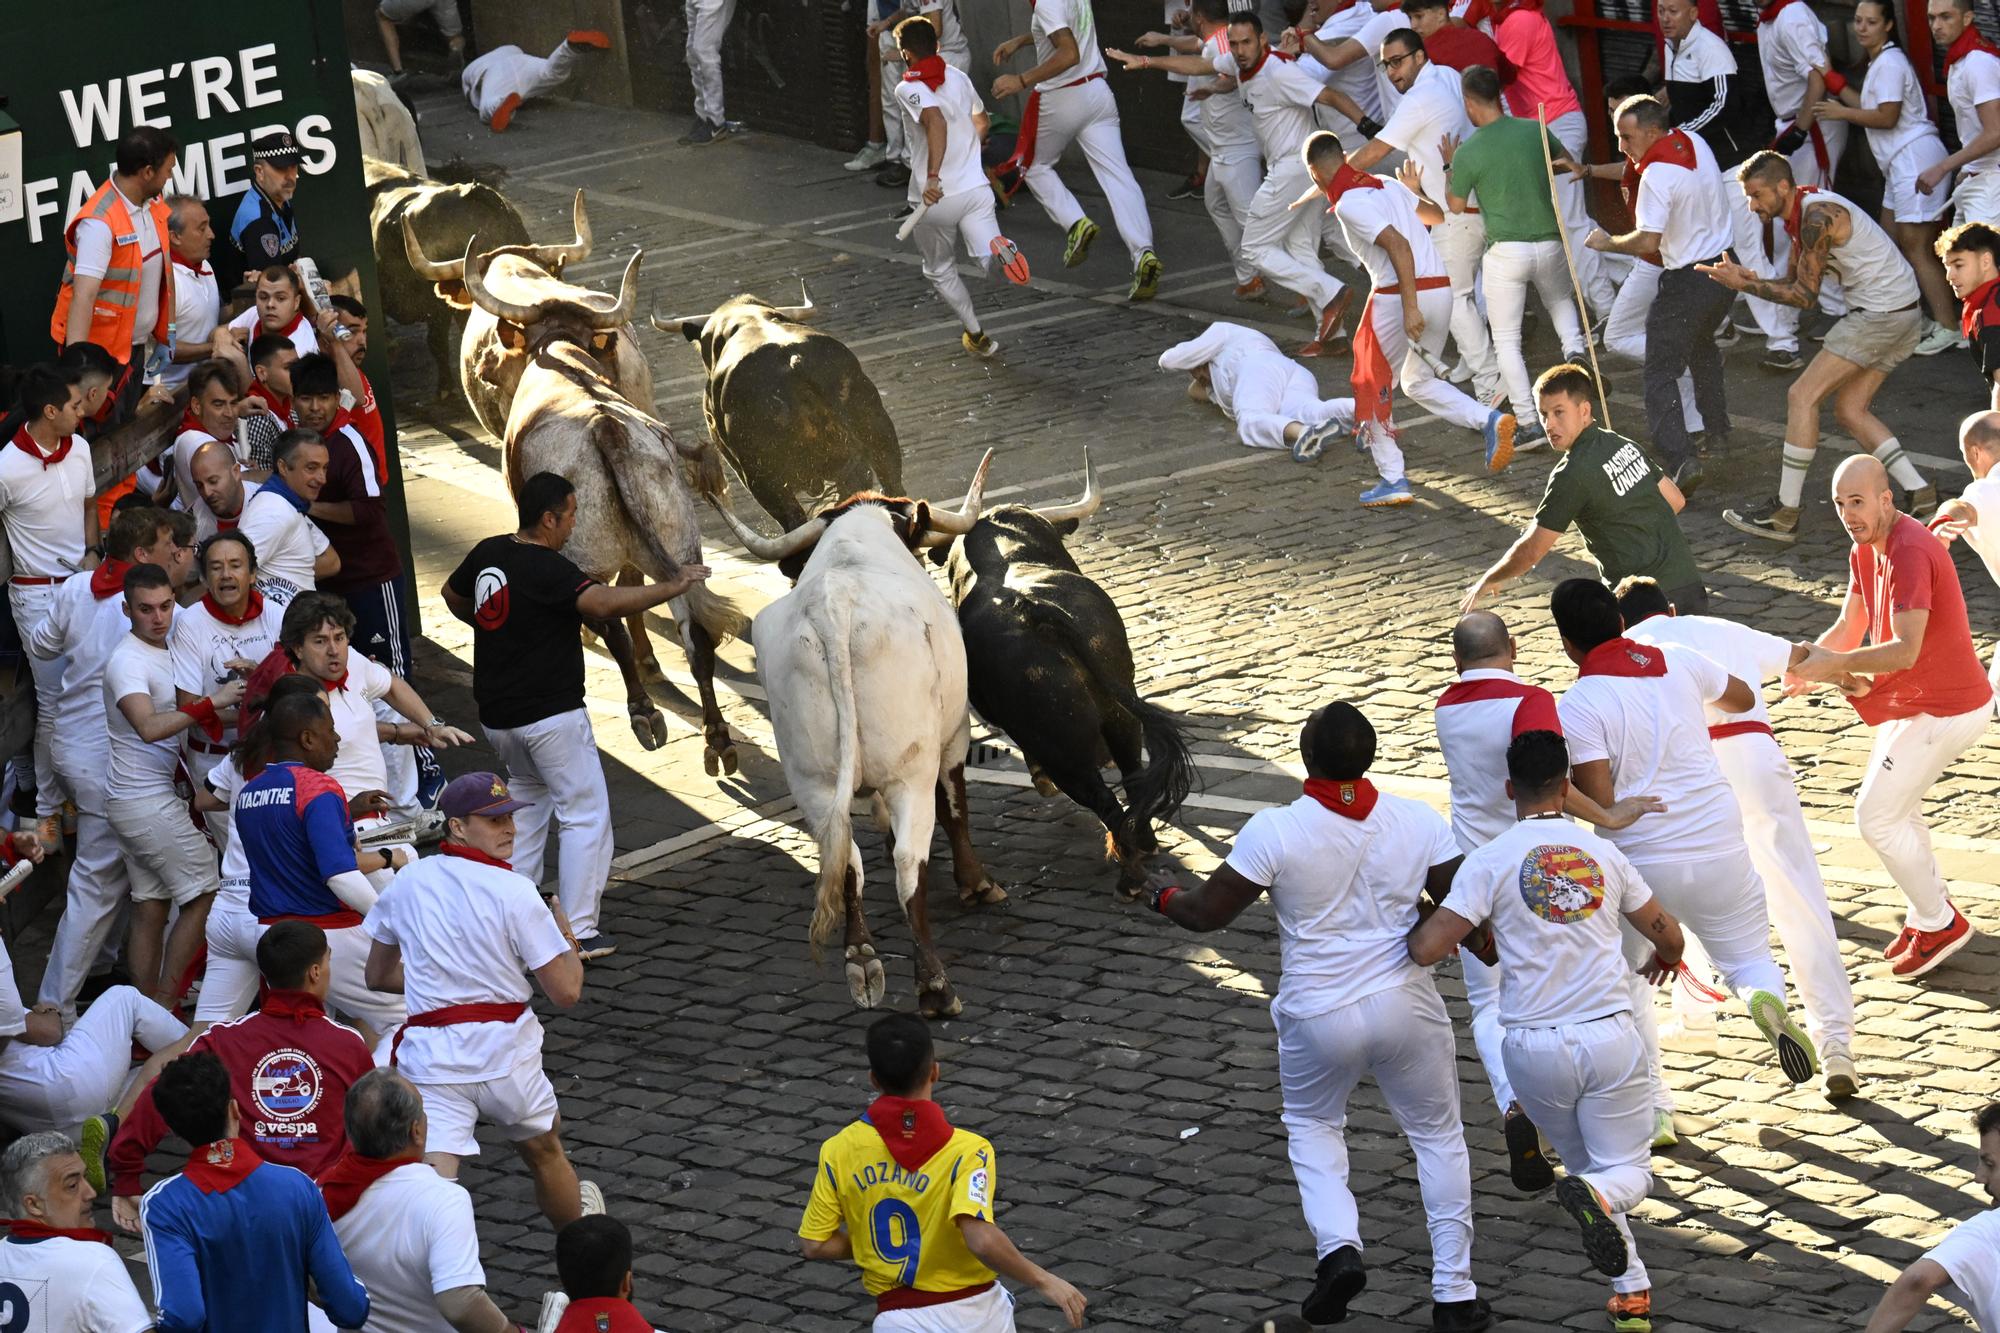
{"type": "Point", "coordinates": [296, 835]}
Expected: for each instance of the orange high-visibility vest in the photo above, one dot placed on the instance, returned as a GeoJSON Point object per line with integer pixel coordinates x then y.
{"type": "Point", "coordinates": [116, 309]}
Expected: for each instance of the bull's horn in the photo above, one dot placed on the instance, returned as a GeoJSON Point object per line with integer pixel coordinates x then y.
{"type": "Point", "coordinates": [628, 298]}
{"type": "Point", "coordinates": [475, 287]}
{"type": "Point", "coordinates": [1084, 506]}
{"type": "Point", "coordinates": [426, 268]}
{"type": "Point", "coordinates": [688, 326]}
{"type": "Point", "coordinates": [578, 250]}
{"type": "Point", "coordinates": [799, 312]}
{"type": "Point", "coordinates": [959, 523]}
{"type": "Point", "coordinates": [770, 548]}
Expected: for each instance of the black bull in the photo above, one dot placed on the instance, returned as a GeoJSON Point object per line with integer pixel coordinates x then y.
{"type": "Point", "coordinates": [1048, 663]}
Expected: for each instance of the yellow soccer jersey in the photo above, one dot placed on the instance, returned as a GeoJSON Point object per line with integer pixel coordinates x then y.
{"type": "Point", "coordinates": [900, 1222]}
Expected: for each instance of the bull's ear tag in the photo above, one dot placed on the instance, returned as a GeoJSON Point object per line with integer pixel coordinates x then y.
{"type": "Point", "coordinates": [511, 337]}
{"type": "Point", "coordinates": [601, 343]}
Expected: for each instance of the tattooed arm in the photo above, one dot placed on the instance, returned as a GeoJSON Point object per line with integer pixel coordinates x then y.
{"type": "Point", "coordinates": [1824, 226]}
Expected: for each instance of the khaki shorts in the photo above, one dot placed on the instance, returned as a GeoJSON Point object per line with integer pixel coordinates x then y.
{"type": "Point", "coordinates": [165, 854]}
{"type": "Point", "coordinates": [1875, 341]}
{"type": "Point", "coordinates": [445, 11]}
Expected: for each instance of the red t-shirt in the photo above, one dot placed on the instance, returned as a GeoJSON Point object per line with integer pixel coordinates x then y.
{"type": "Point", "coordinates": [603, 1314]}
{"type": "Point", "coordinates": [1918, 575]}
{"type": "Point", "coordinates": [1462, 48]}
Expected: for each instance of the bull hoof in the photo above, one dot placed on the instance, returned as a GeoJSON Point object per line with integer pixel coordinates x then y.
{"type": "Point", "coordinates": [865, 978]}
{"type": "Point", "coordinates": [650, 728]}
{"type": "Point", "coordinates": [936, 1000]}
{"type": "Point", "coordinates": [717, 763]}
{"type": "Point", "coordinates": [1127, 890]}
{"type": "Point", "coordinates": [983, 894]}
{"type": "Point", "coordinates": [1041, 781]}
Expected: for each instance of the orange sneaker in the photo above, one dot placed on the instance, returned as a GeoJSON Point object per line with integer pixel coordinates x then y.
{"type": "Point", "coordinates": [588, 37]}
{"type": "Point", "coordinates": [1252, 290]}
{"type": "Point", "coordinates": [1631, 1311]}
{"type": "Point", "coordinates": [505, 115]}
{"type": "Point", "coordinates": [1012, 262]}
{"type": "Point", "coordinates": [1330, 335]}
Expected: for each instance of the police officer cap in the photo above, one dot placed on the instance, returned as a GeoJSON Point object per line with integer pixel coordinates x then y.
{"type": "Point", "coordinates": [277, 149]}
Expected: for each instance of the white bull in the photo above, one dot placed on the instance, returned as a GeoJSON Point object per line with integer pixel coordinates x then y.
{"type": "Point", "coordinates": [865, 672]}
{"type": "Point", "coordinates": [388, 130]}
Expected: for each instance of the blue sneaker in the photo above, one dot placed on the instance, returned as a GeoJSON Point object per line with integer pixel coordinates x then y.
{"type": "Point", "coordinates": [1499, 439]}
{"type": "Point", "coordinates": [1383, 493]}
{"type": "Point", "coordinates": [1312, 443]}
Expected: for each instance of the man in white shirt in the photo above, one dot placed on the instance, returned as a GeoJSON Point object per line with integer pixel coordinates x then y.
{"type": "Point", "coordinates": [292, 553]}
{"type": "Point", "coordinates": [457, 935]}
{"type": "Point", "coordinates": [63, 1272]}
{"type": "Point", "coordinates": [1774, 826]}
{"type": "Point", "coordinates": [220, 638]}
{"type": "Point", "coordinates": [213, 390]}
{"type": "Point", "coordinates": [1975, 514]}
{"type": "Point", "coordinates": [48, 504]}
{"type": "Point", "coordinates": [1635, 720]}
{"type": "Point", "coordinates": [86, 621]}
{"type": "Point", "coordinates": [217, 477]}
{"type": "Point", "coordinates": [280, 309]}
{"type": "Point", "coordinates": [1348, 47]}
{"type": "Point", "coordinates": [1273, 399]}
{"type": "Point", "coordinates": [171, 863]}
{"type": "Point", "coordinates": [946, 124]}
{"type": "Point", "coordinates": [408, 1233]}
{"type": "Point", "coordinates": [1069, 101]}
{"type": "Point", "coordinates": [1553, 895]}
{"type": "Point", "coordinates": [498, 81]}
{"type": "Point", "coordinates": [1681, 218]}
{"type": "Point", "coordinates": [1967, 1260]}
{"type": "Point", "coordinates": [199, 333]}
{"type": "Point", "coordinates": [1972, 86]}
{"type": "Point", "coordinates": [1347, 868]}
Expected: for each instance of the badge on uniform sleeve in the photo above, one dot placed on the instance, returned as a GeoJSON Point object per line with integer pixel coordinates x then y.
{"type": "Point", "coordinates": [271, 244]}
{"type": "Point", "coordinates": [975, 1187]}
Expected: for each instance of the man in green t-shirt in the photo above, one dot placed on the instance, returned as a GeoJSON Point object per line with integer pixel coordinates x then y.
{"type": "Point", "coordinates": [1605, 485]}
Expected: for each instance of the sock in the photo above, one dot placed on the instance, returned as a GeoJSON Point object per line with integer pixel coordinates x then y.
{"type": "Point", "coordinates": [1792, 480]}
{"type": "Point", "coordinates": [1901, 470]}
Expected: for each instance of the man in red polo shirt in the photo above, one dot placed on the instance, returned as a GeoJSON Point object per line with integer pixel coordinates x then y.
{"type": "Point", "coordinates": [1926, 695]}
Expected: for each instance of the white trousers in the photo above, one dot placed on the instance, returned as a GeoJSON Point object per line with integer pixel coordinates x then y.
{"type": "Point", "coordinates": [1403, 1038]}
{"type": "Point", "coordinates": [1413, 373]}
{"type": "Point", "coordinates": [896, 130]}
{"type": "Point", "coordinates": [1274, 391]}
{"type": "Point", "coordinates": [1910, 754]}
{"type": "Point", "coordinates": [553, 765]}
{"type": "Point", "coordinates": [1585, 1087]}
{"type": "Point", "coordinates": [991, 1311]}
{"type": "Point", "coordinates": [349, 947]}
{"type": "Point", "coordinates": [1461, 240]}
{"type": "Point", "coordinates": [229, 983]}
{"type": "Point", "coordinates": [1976, 198]}
{"type": "Point", "coordinates": [1510, 267]}
{"type": "Point", "coordinates": [965, 218]}
{"type": "Point", "coordinates": [1625, 329]}
{"type": "Point", "coordinates": [30, 605]}
{"type": "Point", "coordinates": [1230, 190]}
{"type": "Point", "coordinates": [508, 71]}
{"type": "Point", "coordinates": [1794, 894]}
{"type": "Point", "coordinates": [98, 883]}
{"type": "Point", "coordinates": [1482, 996]}
{"type": "Point", "coordinates": [1088, 115]}
{"type": "Point", "coordinates": [1573, 133]}
{"type": "Point", "coordinates": [707, 21]}
{"type": "Point", "coordinates": [59, 1087]}
{"type": "Point", "coordinates": [1282, 242]}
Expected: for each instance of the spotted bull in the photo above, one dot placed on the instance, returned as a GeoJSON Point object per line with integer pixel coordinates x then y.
{"type": "Point", "coordinates": [865, 672]}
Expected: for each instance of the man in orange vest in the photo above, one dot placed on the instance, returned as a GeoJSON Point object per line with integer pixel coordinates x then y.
{"type": "Point", "coordinates": [115, 290]}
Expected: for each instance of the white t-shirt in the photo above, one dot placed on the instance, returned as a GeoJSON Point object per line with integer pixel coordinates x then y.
{"type": "Point", "coordinates": [958, 102]}
{"type": "Point", "coordinates": [202, 646]}
{"type": "Point", "coordinates": [206, 524]}
{"type": "Point", "coordinates": [197, 310]}
{"type": "Point", "coordinates": [1969, 84]}
{"type": "Point", "coordinates": [305, 338]}
{"type": "Point", "coordinates": [13, 1014]}
{"type": "Point", "coordinates": [1984, 536]}
{"type": "Point", "coordinates": [93, 260]}
{"type": "Point", "coordinates": [411, 1237]}
{"type": "Point", "coordinates": [138, 767]}
{"type": "Point", "coordinates": [1750, 655]}
{"type": "Point", "coordinates": [1433, 108]}
{"type": "Point", "coordinates": [1555, 893]}
{"type": "Point", "coordinates": [1791, 46]}
{"type": "Point", "coordinates": [1345, 891]}
{"type": "Point", "coordinates": [42, 506]}
{"type": "Point", "coordinates": [943, 15]}
{"type": "Point", "coordinates": [1364, 79]}
{"type": "Point", "coordinates": [1230, 351]}
{"type": "Point", "coordinates": [1232, 133]}
{"type": "Point", "coordinates": [1365, 214]}
{"type": "Point", "coordinates": [70, 1286]}
{"type": "Point", "coordinates": [1892, 78]}
{"type": "Point", "coordinates": [1654, 730]}
{"type": "Point", "coordinates": [467, 930]}
{"type": "Point", "coordinates": [287, 541]}
{"type": "Point", "coordinates": [1686, 207]}
{"type": "Point", "coordinates": [1478, 716]}
{"type": "Point", "coordinates": [359, 766]}
{"type": "Point", "coordinates": [1051, 16]}
{"type": "Point", "coordinates": [1971, 1255]}
{"type": "Point", "coordinates": [185, 495]}
{"type": "Point", "coordinates": [1280, 96]}
{"type": "Point", "coordinates": [84, 631]}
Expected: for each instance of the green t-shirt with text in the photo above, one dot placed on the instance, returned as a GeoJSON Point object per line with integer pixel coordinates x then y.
{"type": "Point", "coordinates": [1502, 165]}
{"type": "Point", "coordinates": [1610, 491]}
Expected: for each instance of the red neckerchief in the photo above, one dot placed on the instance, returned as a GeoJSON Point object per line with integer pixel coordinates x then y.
{"type": "Point", "coordinates": [26, 442]}
{"type": "Point", "coordinates": [26, 1228]}
{"type": "Point", "coordinates": [200, 270]}
{"type": "Point", "coordinates": [282, 406]}
{"type": "Point", "coordinates": [1346, 178]}
{"type": "Point", "coordinates": [1771, 11]}
{"type": "Point", "coordinates": [220, 1166]}
{"type": "Point", "coordinates": [340, 684]}
{"type": "Point", "coordinates": [913, 1131]}
{"type": "Point", "coordinates": [1674, 148]}
{"type": "Point", "coordinates": [1622, 657]}
{"type": "Point", "coordinates": [301, 1006]}
{"type": "Point", "coordinates": [1968, 41]}
{"type": "Point", "coordinates": [459, 849]}
{"type": "Point", "coordinates": [1244, 76]}
{"type": "Point", "coordinates": [1350, 800]}
{"type": "Point", "coordinates": [1798, 211]}
{"type": "Point", "coordinates": [606, 1314]}
{"type": "Point", "coordinates": [1979, 308]}
{"type": "Point", "coordinates": [108, 579]}
{"type": "Point", "coordinates": [189, 421]}
{"type": "Point", "coordinates": [929, 72]}
{"type": "Point", "coordinates": [343, 1183]}
{"type": "Point", "coordinates": [251, 610]}
{"type": "Point", "coordinates": [290, 329]}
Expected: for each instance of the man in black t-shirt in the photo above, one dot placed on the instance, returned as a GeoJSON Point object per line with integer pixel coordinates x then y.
{"type": "Point", "coordinates": [1971, 255]}
{"type": "Point", "coordinates": [526, 603]}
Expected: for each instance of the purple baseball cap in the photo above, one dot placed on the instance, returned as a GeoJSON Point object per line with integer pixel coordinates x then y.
{"type": "Point", "coordinates": [477, 794]}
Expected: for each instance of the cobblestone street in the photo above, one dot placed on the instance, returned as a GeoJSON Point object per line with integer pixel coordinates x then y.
{"type": "Point", "coordinates": [1127, 1072]}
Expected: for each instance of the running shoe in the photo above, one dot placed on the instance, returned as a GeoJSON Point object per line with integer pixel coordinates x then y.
{"type": "Point", "coordinates": [1602, 1243]}
{"type": "Point", "coordinates": [1899, 946]}
{"type": "Point", "coordinates": [1630, 1312]}
{"type": "Point", "coordinates": [1526, 1166]}
{"type": "Point", "coordinates": [1384, 493]}
{"type": "Point", "coordinates": [1928, 948]}
{"type": "Point", "coordinates": [592, 1197]}
{"type": "Point", "coordinates": [1937, 338]}
{"type": "Point", "coordinates": [1689, 476]}
{"type": "Point", "coordinates": [1787, 1038]}
{"type": "Point", "coordinates": [98, 1131]}
{"type": "Point", "coordinates": [1530, 436]}
{"type": "Point", "coordinates": [592, 947]}
{"type": "Point", "coordinates": [505, 115]}
{"type": "Point", "coordinates": [1012, 262]}
{"type": "Point", "coordinates": [1473, 1316]}
{"type": "Point", "coordinates": [1339, 1280]}
{"type": "Point", "coordinates": [870, 157]}
{"type": "Point", "coordinates": [1252, 290]}
{"type": "Point", "coordinates": [1781, 359]}
{"type": "Point", "coordinates": [1770, 520]}
{"type": "Point", "coordinates": [1664, 1137]}
{"type": "Point", "coordinates": [582, 37]}
{"type": "Point", "coordinates": [893, 176]}
{"type": "Point", "coordinates": [1499, 429]}
{"type": "Point", "coordinates": [1688, 1039]}
{"type": "Point", "coordinates": [1081, 233]}
{"type": "Point", "coordinates": [1922, 502]}
{"type": "Point", "coordinates": [1145, 277]}
{"type": "Point", "coordinates": [1836, 1063]}
{"type": "Point", "coordinates": [1191, 187]}
{"type": "Point", "coordinates": [702, 135]}
{"type": "Point", "coordinates": [978, 344]}
{"type": "Point", "coordinates": [1313, 440]}
{"type": "Point", "coordinates": [1329, 335]}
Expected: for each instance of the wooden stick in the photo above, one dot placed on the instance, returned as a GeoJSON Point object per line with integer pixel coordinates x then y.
{"type": "Point", "coordinates": [1562, 233]}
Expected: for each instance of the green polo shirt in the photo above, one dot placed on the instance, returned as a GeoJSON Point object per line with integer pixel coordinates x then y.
{"type": "Point", "coordinates": [1501, 164]}
{"type": "Point", "coordinates": [1607, 487]}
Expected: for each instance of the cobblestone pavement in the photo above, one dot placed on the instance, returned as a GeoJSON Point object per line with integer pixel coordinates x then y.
{"type": "Point", "coordinates": [1127, 1072]}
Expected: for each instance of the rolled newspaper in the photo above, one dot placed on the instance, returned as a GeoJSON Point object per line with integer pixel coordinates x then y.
{"type": "Point", "coordinates": [17, 872]}
{"type": "Point", "coordinates": [910, 222]}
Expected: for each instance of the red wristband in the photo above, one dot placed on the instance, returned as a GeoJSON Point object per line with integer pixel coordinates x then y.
{"type": "Point", "coordinates": [1166, 896]}
{"type": "Point", "coordinates": [1835, 81]}
{"type": "Point", "coordinates": [203, 712]}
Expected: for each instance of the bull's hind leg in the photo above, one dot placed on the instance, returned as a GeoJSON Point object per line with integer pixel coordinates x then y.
{"type": "Point", "coordinates": [974, 884]}
{"type": "Point", "coordinates": [1079, 779]}
{"type": "Point", "coordinates": [911, 836]}
{"type": "Point", "coordinates": [718, 751]}
{"type": "Point", "coordinates": [866, 981]}
{"type": "Point", "coordinates": [648, 723]}
{"type": "Point", "coordinates": [648, 661]}
{"type": "Point", "coordinates": [1125, 739]}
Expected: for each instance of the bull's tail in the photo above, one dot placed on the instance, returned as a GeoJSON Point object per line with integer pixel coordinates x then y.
{"type": "Point", "coordinates": [717, 614]}
{"type": "Point", "coordinates": [835, 834]}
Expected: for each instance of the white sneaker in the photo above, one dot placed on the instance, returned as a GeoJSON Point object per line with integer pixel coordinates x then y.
{"type": "Point", "coordinates": [593, 1197]}
{"type": "Point", "coordinates": [554, 1303]}
{"type": "Point", "coordinates": [1836, 1063]}
{"type": "Point", "coordinates": [1937, 338]}
{"type": "Point", "coordinates": [1675, 1036]}
{"type": "Point", "coordinates": [871, 155]}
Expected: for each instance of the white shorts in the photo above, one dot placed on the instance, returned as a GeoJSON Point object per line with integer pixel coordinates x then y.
{"type": "Point", "coordinates": [1900, 199]}
{"type": "Point", "coordinates": [520, 1103]}
{"type": "Point", "coordinates": [991, 1311]}
{"type": "Point", "coordinates": [229, 983]}
{"type": "Point", "coordinates": [1976, 198]}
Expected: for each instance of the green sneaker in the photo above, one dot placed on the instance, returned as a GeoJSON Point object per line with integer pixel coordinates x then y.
{"type": "Point", "coordinates": [1787, 1038]}
{"type": "Point", "coordinates": [1664, 1137]}
{"type": "Point", "coordinates": [1078, 245]}
{"type": "Point", "coordinates": [98, 1131]}
{"type": "Point", "coordinates": [1145, 277]}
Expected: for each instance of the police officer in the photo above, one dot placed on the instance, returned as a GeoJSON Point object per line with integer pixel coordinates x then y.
{"type": "Point", "coordinates": [263, 232]}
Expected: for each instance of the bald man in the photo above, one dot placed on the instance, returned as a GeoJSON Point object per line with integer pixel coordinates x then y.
{"type": "Point", "coordinates": [1975, 515]}
{"type": "Point", "coordinates": [218, 480]}
{"type": "Point", "coordinates": [1916, 679]}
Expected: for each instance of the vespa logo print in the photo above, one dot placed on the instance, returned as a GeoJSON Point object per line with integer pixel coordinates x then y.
{"type": "Point", "coordinates": [285, 1085]}
{"type": "Point", "coordinates": [489, 598]}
